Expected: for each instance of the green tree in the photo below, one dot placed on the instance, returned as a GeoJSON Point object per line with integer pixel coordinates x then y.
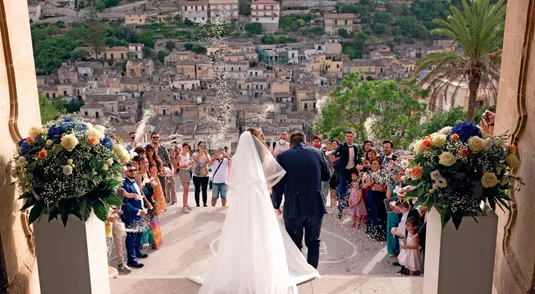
{"type": "Point", "coordinates": [51, 53]}
{"type": "Point", "coordinates": [269, 40]}
{"type": "Point", "coordinates": [436, 122]}
{"type": "Point", "coordinates": [382, 17]}
{"type": "Point", "coordinates": [379, 28]}
{"type": "Point", "coordinates": [147, 51]}
{"type": "Point", "coordinates": [74, 105]}
{"type": "Point", "coordinates": [170, 45]}
{"type": "Point", "coordinates": [146, 38]}
{"type": "Point", "coordinates": [343, 33]}
{"type": "Point", "coordinates": [301, 22]}
{"type": "Point", "coordinates": [478, 31]}
{"type": "Point", "coordinates": [95, 36]}
{"type": "Point", "coordinates": [49, 109]}
{"type": "Point", "coordinates": [410, 27]}
{"type": "Point", "coordinates": [78, 55]}
{"type": "Point", "coordinates": [162, 55]}
{"type": "Point", "coordinates": [253, 28]}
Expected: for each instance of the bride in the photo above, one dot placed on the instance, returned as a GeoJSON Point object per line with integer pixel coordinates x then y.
{"type": "Point", "coordinates": [255, 253]}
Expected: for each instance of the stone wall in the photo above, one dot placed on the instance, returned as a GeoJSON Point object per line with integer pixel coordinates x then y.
{"type": "Point", "coordinates": [515, 253]}
{"type": "Point", "coordinates": [19, 109]}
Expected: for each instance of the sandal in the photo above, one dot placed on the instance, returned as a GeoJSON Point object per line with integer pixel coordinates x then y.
{"type": "Point", "coordinates": [185, 209]}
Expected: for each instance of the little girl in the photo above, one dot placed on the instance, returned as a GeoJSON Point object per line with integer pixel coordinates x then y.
{"type": "Point", "coordinates": [410, 257]}
{"type": "Point", "coordinates": [356, 203]}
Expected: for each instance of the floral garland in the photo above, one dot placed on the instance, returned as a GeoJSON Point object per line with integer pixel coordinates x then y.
{"type": "Point", "coordinates": [459, 168]}
{"type": "Point", "coordinates": [69, 167]}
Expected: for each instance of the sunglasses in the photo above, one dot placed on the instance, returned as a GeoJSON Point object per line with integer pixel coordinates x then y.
{"type": "Point", "coordinates": [130, 170]}
{"type": "Point", "coordinates": [132, 137]}
{"type": "Point", "coordinates": [156, 137]}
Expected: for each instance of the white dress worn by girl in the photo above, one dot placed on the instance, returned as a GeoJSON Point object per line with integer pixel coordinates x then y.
{"type": "Point", "coordinates": [410, 258]}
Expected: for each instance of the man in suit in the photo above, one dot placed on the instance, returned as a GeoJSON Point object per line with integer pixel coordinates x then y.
{"type": "Point", "coordinates": [388, 153]}
{"type": "Point", "coordinates": [304, 204]}
{"type": "Point", "coordinates": [348, 160]}
{"type": "Point", "coordinates": [133, 211]}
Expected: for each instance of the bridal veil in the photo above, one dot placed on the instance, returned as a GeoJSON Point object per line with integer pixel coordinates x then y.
{"type": "Point", "coordinates": [255, 254]}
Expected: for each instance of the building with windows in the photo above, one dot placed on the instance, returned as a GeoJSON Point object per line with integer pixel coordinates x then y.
{"type": "Point", "coordinates": [267, 13]}
{"type": "Point", "coordinates": [135, 19]}
{"type": "Point", "coordinates": [223, 9]}
{"type": "Point", "coordinates": [195, 11]}
{"type": "Point", "coordinates": [336, 21]}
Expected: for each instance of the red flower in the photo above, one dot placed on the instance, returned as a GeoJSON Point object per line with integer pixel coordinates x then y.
{"type": "Point", "coordinates": [464, 152]}
{"type": "Point", "coordinates": [454, 137]}
{"type": "Point", "coordinates": [42, 154]}
{"type": "Point", "coordinates": [417, 172]}
{"type": "Point", "coordinates": [30, 140]}
{"type": "Point", "coordinates": [426, 143]}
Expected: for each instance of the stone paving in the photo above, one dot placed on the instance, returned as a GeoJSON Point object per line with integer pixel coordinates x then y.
{"type": "Point", "coordinates": [350, 262]}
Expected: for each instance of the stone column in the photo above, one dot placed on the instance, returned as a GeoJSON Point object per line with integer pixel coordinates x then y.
{"type": "Point", "coordinates": [515, 254]}
{"type": "Point", "coordinates": [19, 109]}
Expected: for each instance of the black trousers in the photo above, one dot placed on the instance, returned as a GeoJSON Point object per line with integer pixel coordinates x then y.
{"type": "Point", "coordinates": [201, 183]}
{"type": "Point", "coordinates": [311, 226]}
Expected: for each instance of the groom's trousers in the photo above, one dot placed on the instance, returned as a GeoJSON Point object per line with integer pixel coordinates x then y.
{"type": "Point", "coordinates": [311, 226]}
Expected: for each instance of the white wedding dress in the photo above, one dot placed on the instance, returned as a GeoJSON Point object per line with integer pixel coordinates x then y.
{"type": "Point", "coordinates": [255, 253]}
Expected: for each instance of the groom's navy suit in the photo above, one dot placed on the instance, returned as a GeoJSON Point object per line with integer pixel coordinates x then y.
{"type": "Point", "coordinates": [304, 204]}
{"type": "Point", "coordinates": [131, 220]}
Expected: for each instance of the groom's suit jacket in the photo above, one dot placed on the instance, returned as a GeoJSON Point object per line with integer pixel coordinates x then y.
{"type": "Point", "coordinates": [305, 168]}
{"type": "Point", "coordinates": [342, 152]}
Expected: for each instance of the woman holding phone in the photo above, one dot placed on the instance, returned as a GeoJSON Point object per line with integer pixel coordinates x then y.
{"type": "Point", "coordinates": [201, 174]}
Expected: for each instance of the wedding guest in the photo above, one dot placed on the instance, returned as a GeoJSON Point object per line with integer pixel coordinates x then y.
{"type": "Point", "coordinates": [170, 193]}
{"type": "Point", "coordinates": [487, 122]}
{"type": "Point", "coordinates": [133, 212]}
{"type": "Point", "coordinates": [356, 203]}
{"type": "Point", "coordinates": [400, 231]}
{"type": "Point", "coordinates": [131, 142]}
{"type": "Point", "coordinates": [410, 257]}
{"type": "Point", "coordinates": [201, 159]}
{"type": "Point", "coordinates": [347, 154]}
{"type": "Point", "coordinates": [150, 179]}
{"type": "Point", "coordinates": [163, 153]}
{"type": "Point", "coordinates": [140, 151]}
{"type": "Point", "coordinates": [114, 236]}
{"type": "Point", "coordinates": [334, 181]}
{"type": "Point", "coordinates": [281, 145]}
{"type": "Point", "coordinates": [221, 165]}
{"type": "Point", "coordinates": [184, 172]}
{"type": "Point", "coordinates": [377, 182]}
{"type": "Point", "coordinates": [316, 142]}
{"type": "Point", "coordinates": [156, 166]}
{"type": "Point", "coordinates": [366, 146]}
{"type": "Point", "coordinates": [388, 153]}
{"type": "Point", "coordinates": [392, 219]}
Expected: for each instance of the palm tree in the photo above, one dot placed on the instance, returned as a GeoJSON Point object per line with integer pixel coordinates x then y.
{"type": "Point", "coordinates": [479, 32]}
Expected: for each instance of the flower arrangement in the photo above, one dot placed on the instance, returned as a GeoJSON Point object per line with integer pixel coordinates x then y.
{"type": "Point", "coordinates": [458, 168]}
{"type": "Point", "coordinates": [69, 167]}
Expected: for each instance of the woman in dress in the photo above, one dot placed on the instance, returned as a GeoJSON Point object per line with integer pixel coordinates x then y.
{"type": "Point", "coordinates": [333, 183]}
{"type": "Point", "coordinates": [144, 179]}
{"type": "Point", "coordinates": [376, 181]}
{"type": "Point", "coordinates": [156, 166]}
{"type": "Point", "coordinates": [201, 175]}
{"type": "Point", "coordinates": [183, 163]}
{"type": "Point", "coordinates": [255, 253]}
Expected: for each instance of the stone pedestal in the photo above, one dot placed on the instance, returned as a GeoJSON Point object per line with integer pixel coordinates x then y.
{"type": "Point", "coordinates": [72, 259]}
{"type": "Point", "coordinates": [460, 261]}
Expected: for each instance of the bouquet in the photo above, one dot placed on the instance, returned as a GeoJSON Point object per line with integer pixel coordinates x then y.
{"type": "Point", "coordinates": [459, 168]}
{"type": "Point", "coordinates": [69, 167]}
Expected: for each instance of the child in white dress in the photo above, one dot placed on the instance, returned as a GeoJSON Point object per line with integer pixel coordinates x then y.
{"type": "Point", "coordinates": [410, 257]}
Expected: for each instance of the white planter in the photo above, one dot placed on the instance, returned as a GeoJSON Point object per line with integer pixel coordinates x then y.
{"type": "Point", "coordinates": [72, 259]}
{"type": "Point", "coordinates": [460, 261]}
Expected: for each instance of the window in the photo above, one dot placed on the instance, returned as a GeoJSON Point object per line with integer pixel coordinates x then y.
{"type": "Point", "coordinates": [112, 108]}
{"type": "Point", "coordinates": [247, 86]}
{"type": "Point", "coordinates": [239, 87]}
{"type": "Point", "coordinates": [86, 113]}
{"type": "Point", "coordinates": [53, 95]}
{"type": "Point", "coordinates": [111, 56]}
{"type": "Point", "coordinates": [256, 86]}
{"type": "Point", "coordinates": [255, 73]}
{"type": "Point", "coordinates": [306, 106]}
{"type": "Point", "coordinates": [261, 87]}
{"type": "Point", "coordinates": [250, 73]}
{"type": "Point", "coordinates": [335, 22]}
{"type": "Point", "coordinates": [64, 93]}
{"type": "Point", "coordinates": [203, 18]}
{"type": "Point", "coordinates": [164, 111]}
{"type": "Point", "coordinates": [337, 65]}
{"type": "Point", "coordinates": [257, 19]}
{"type": "Point", "coordinates": [97, 115]}
{"type": "Point", "coordinates": [369, 69]}
{"type": "Point", "coordinates": [345, 22]}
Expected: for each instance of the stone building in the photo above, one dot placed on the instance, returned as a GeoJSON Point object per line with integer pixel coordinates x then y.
{"type": "Point", "coordinates": [267, 13]}
{"type": "Point", "coordinates": [336, 21]}
{"type": "Point", "coordinates": [195, 11]}
{"type": "Point", "coordinates": [223, 9]}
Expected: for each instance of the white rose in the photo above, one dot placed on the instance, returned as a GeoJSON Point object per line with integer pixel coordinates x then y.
{"type": "Point", "coordinates": [476, 144]}
{"type": "Point", "coordinates": [49, 142]}
{"type": "Point", "coordinates": [447, 159]}
{"type": "Point", "coordinates": [418, 149]}
{"type": "Point", "coordinates": [101, 128]}
{"type": "Point", "coordinates": [445, 130]}
{"type": "Point", "coordinates": [69, 142]}
{"type": "Point", "coordinates": [93, 132]}
{"type": "Point", "coordinates": [35, 131]}
{"type": "Point", "coordinates": [408, 172]}
{"type": "Point", "coordinates": [438, 140]}
{"type": "Point", "coordinates": [405, 163]}
{"type": "Point", "coordinates": [67, 170]}
{"type": "Point", "coordinates": [109, 161]}
{"type": "Point", "coordinates": [22, 162]}
{"type": "Point", "coordinates": [489, 180]}
{"type": "Point", "coordinates": [105, 167]}
{"type": "Point", "coordinates": [435, 175]}
{"type": "Point", "coordinates": [69, 162]}
{"type": "Point", "coordinates": [441, 182]}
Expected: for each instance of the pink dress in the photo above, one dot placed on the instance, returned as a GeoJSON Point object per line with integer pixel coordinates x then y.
{"type": "Point", "coordinates": [410, 258]}
{"type": "Point", "coordinates": [359, 210]}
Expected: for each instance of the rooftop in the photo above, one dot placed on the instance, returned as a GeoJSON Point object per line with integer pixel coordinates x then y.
{"type": "Point", "coordinates": [193, 3]}
{"type": "Point", "coordinates": [339, 16]}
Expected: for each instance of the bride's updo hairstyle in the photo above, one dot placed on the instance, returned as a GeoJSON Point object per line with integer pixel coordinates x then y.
{"type": "Point", "coordinates": [258, 134]}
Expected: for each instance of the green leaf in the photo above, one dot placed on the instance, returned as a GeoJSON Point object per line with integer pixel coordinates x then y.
{"type": "Point", "coordinates": [100, 210]}
{"type": "Point", "coordinates": [113, 200]}
{"type": "Point", "coordinates": [29, 203]}
{"type": "Point", "coordinates": [36, 211]}
{"type": "Point", "coordinates": [65, 213]}
{"type": "Point", "coordinates": [84, 210]}
{"type": "Point", "coordinates": [457, 218]}
{"type": "Point", "coordinates": [445, 216]}
{"type": "Point", "coordinates": [53, 213]}
{"type": "Point", "coordinates": [57, 148]}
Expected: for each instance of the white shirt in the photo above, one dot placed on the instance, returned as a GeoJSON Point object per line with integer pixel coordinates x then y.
{"type": "Point", "coordinates": [401, 226]}
{"type": "Point", "coordinates": [351, 161]}
{"type": "Point", "coordinates": [221, 176]}
{"type": "Point", "coordinates": [279, 148]}
{"type": "Point", "coordinates": [184, 159]}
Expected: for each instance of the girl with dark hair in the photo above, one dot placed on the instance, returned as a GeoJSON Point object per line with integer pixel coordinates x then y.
{"type": "Point", "coordinates": [377, 182]}
{"type": "Point", "coordinates": [183, 163]}
{"type": "Point", "coordinates": [201, 159]}
{"type": "Point", "coordinates": [156, 167]}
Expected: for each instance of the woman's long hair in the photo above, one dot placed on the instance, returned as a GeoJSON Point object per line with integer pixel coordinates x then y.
{"type": "Point", "coordinates": [155, 158]}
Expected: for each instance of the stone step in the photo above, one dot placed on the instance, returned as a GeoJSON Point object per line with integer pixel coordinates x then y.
{"type": "Point", "coordinates": [335, 284]}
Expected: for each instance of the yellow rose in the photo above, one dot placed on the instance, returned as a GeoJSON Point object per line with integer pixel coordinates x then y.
{"type": "Point", "coordinates": [445, 130]}
{"type": "Point", "coordinates": [438, 140]}
{"type": "Point", "coordinates": [418, 149]}
{"type": "Point", "coordinates": [512, 161]}
{"type": "Point", "coordinates": [447, 159]}
{"type": "Point", "coordinates": [489, 180]}
{"type": "Point", "coordinates": [69, 142]}
{"type": "Point", "coordinates": [93, 132]}
{"type": "Point", "coordinates": [476, 144]}
{"type": "Point", "coordinates": [35, 131]}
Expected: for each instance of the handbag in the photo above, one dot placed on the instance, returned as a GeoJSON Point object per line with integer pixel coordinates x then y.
{"type": "Point", "coordinates": [210, 183]}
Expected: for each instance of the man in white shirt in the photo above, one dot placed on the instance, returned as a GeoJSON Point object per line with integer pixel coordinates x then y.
{"type": "Point", "coordinates": [220, 165]}
{"type": "Point", "coordinates": [282, 144]}
{"type": "Point", "coordinates": [348, 160]}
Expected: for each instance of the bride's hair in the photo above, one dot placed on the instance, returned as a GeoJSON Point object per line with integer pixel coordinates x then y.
{"type": "Point", "coordinates": [258, 134]}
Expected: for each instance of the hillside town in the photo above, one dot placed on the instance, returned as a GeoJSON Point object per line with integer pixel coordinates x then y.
{"type": "Point", "coordinates": [268, 61]}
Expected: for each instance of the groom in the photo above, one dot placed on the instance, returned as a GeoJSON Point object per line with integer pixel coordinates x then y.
{"type": "Point", "coordinates": [304, 204]}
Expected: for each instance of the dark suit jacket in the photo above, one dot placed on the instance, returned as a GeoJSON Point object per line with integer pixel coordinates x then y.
{"type": "Point", "coordinates": [306, 169]}
{"type": "Point", "coordinates": [131, 206]}
{"type": "Point", "coordinates": [342, 152]}
{"type": "Point", "coordinates": [386, 160]}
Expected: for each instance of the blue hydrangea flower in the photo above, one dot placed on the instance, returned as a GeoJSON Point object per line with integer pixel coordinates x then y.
{"type": "Point", "coordinates": [80, 128]}
{"type": "Point", "coordinates": [55, 132]}
{"type": "Point", "coordinates": [106, 142]}
{"type": "Point", "coordinates": [465, 130]}
{"type": "Point", "coordinates": [24, 147]}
